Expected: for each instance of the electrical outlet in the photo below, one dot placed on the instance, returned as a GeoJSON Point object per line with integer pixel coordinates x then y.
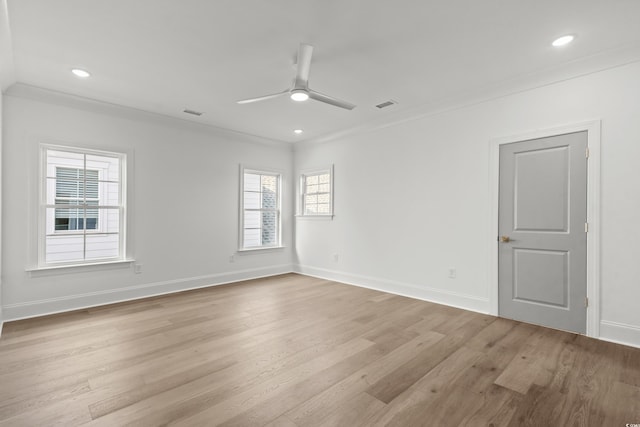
{"type": "Point", "coordinates": [137, 268]}
{"type": "Point", "coordinates": [452, 273]}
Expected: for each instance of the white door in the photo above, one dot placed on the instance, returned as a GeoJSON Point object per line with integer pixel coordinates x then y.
{"type": "Point", "coordinates": [542, 259]}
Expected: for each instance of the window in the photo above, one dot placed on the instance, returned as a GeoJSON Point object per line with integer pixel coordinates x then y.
{"type": "Point", "coordinates": [260, 212]}
{"type": "Point", "coordinates": [317, 193]}
{"type": "Point", "coordinates": [82, 206]}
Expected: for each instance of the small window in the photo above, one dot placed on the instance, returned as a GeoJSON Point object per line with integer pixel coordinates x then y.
{"type": "Point", "coordinates": [260, 211]}
{"type": "Point", "coordinates": [82, 206]}
{"type": "Point", "coordinates": [317, 193]}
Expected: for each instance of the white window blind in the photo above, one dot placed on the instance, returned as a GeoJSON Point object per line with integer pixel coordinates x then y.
{"type": "Point", "coordinates": [260, 213]}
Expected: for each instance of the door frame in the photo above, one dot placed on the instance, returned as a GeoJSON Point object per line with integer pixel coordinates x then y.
{"type": "Point", "coordinates": [593, 213]}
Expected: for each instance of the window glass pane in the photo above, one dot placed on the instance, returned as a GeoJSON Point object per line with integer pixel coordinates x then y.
{"type": "Point", "coordinates": [67, 159]}
{"type": "Point", "coordinates": [269, 199]}
{"type": "Point", "coordinates": [312, 189]}
{"type": "Point", "coordinates": [324, 178]}
{"type": "Point", "coordinates": [308, 199]}
{"type": "Point", "coordinates": [323, 209]}
{"type": "Point", "coordinates": [69, 219]}
{"type": "Point", "coordinates": [251, 182]}
{"type": "Point", "coordinates": [251, 219]}
{"type": "Point", "coordinates": [64, 248]}
{"type": "Point", "coordinates": [269, 183]}
{"type": "Point", "coordinates": [323, 198]}
{"type": "Point", "coordinates": [102, 246]}
{"type": "Point", "coordinates": [67, 202]}
{"type": "Point", "coordinates": [312, 180]}
{"type": "Point", "coordinates": [68, 183]}
{"type": "Point", "coordinates": [91, 184]}
{"type": "Point", "coordinates": [323, 188]}
{"type": "Point", "coordinates": [311, 209]}
{"type": "Point", "coordinates": [109, 194]}
{"type": "Point", "coordinates": [109, 166]}
{"type": "Point", "coordinates": [252, 238]}
{"type": "Point", "coordinates": [108, 220]}
{"type": "Point", "coordinates": [269, 228]}
{"type": "Point", "coordinates": [251, 200]}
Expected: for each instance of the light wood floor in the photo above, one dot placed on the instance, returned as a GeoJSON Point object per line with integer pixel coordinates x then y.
{"type": "Point", "coordinates": [298, 351]}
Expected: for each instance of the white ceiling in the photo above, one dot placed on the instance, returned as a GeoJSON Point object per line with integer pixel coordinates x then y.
{"type": "Point", "coordinates": [164, 56]}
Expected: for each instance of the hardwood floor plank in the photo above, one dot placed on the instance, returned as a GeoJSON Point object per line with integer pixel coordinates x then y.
{"type": "Point", "coordinates": [497, 408]}
{"type": "Point", "coordinates": [349, 412]}
{"type": "Point", "coordinates": [282, 421]}
{"type": "Point", "coordinates": [313, 410]}
{"type": "Point", "coordinates": [529, 363]}
{"type": "Point", "coordinates": [391, 386]}
{"type": "Point", "coordinates": [407, 409]}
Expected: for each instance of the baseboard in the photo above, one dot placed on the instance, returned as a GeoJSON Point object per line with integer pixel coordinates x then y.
{"type": "Point", "coordinates": [620, 333]}
{"type": "Point", "coordinates": [30, 309]}
{"type": "Point", "coordinates": [466, 302]}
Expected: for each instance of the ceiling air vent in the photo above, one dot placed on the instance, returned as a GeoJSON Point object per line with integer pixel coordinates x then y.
{"type": "Point", "coordinates": [386, 104]}
{"type": "Point", "coordinates": [195, 113]}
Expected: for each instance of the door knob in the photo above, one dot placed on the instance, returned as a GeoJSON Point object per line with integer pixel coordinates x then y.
{"type": "Point", "coordinates": [505, 239]}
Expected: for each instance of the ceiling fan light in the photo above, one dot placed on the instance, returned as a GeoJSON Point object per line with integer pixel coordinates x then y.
{"type": "Point", "coordinates": [563, 41]}
{"type": "Point", "coordinates": [299, 95]}
{"type": "Point", "coordinates": [79, 72]}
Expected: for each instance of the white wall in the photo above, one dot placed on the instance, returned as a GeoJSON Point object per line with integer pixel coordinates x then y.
{"type": "Point", "coordinates": [413, 200]}
{"type": "Point", "coordinates": [183, 202]}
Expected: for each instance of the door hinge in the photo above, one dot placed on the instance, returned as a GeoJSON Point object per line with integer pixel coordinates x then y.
{"type": "Point", "coordinates": [586, 301]}
{"type": "Point", "coordinates": [586, 152]}
{"type": "Point", "coordinates": [586, 227]}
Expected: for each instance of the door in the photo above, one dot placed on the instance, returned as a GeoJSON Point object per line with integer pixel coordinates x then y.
{"type": "Point", "coordinates": [542, 259]}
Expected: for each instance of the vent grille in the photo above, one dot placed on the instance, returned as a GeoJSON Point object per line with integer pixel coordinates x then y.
{"type": "Point", "coordinates": [386, 104]}
{"type": "Point", "coordinates": [194, 112]}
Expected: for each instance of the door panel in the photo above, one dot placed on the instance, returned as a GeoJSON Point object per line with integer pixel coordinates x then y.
{"type": "Point", "coordinates": [541, 276]}
{"type": "Point", "coordinates": [542, 212]}
{"type": "Point", "coordinates": [541, 202]}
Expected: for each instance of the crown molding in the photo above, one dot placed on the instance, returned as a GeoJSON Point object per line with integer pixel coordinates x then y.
{"type": "Point", "coordinates": [602, 61]}
{"type": "Point", "coordinates": [25, 91]}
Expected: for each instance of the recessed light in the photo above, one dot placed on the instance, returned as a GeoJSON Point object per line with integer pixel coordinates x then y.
{"type": "Point", "coordinates": [298, 131]}
{"type": "Point", "coordinates": [563, 41]}
{"type": "Point", "coordinates": [79, 72]}
{"type": "Point", "coordinates": [299, 95]}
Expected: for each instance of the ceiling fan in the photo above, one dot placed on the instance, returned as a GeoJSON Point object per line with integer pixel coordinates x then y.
{"type": "Point", "coordinates": [300, 90]}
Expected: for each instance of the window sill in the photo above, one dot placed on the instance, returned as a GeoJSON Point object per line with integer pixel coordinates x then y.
{"type": "Point", "coordinates": [80, 267]}
{"type": "Point", "coordinates": [267, 248]}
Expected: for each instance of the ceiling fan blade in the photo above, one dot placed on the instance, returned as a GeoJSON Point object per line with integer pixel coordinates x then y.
{"type": "Point", "coordinates": [262, 98]}
{"type": "Point", "coordinates": [330, 100]}
{"type": "Point", "coordinates": [304, 66]}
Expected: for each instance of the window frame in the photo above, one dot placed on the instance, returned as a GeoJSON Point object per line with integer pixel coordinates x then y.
{"type": "Point", "coordinates": [42, 229]}
{"type": "Point", "coordinates": [277, 210]}
{"type": "Point", "coordinates": [302, 211]}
